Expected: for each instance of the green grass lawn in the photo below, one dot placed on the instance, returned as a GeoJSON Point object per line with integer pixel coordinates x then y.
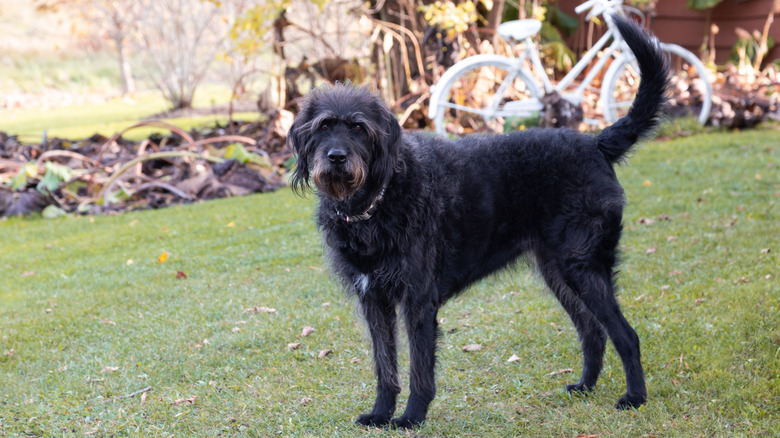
{"type": "Point", "coordinates": [89, 315]}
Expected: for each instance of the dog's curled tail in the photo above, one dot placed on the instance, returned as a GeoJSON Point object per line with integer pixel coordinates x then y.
{"type": "Point", "coordinates": [617, 139]}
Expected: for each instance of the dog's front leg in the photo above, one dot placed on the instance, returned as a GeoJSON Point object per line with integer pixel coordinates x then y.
{"type": "Point", "coordinates": [422, 329]}
{"type": "Point", "coordinates": [380, 316]}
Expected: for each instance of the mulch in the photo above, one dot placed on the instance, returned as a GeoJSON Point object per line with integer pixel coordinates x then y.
{"type": "Point", "coordinates": [101, 175]}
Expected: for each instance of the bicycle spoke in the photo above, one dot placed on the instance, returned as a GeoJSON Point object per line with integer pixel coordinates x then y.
{"type": "Point", "coordinates": [480, 97]}
{"type": "Point", "coordinates": [468, 109]}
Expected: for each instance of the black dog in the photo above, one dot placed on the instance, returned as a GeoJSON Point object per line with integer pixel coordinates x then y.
{"type": "Point", "coordinates": [411, 220]}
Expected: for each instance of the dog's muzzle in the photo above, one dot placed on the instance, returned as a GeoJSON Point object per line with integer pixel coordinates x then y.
{"type": "Point", "coordinates": [338, 174]}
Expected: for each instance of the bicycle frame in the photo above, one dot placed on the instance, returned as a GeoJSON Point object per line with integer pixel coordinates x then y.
{"type": "Point", "coordinates": [577, 95]}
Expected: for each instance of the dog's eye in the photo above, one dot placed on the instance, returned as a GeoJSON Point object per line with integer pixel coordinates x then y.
{"type": "Point", "coordinates": [324, 127]}
{"type": "Point", "coordinates": [357, 127]}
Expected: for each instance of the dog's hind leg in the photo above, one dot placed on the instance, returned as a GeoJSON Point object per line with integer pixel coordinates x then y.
{"type": "Point", "coordinates": [583, 247]}
{"type": "Point", "coordinates": [422, 329]}
{"type": "Point", "coordinates": [596, 290]}
{"type": "Point", "coordinates": [380, 316]}
{"type": "Point", "coordinates": [593, 338]}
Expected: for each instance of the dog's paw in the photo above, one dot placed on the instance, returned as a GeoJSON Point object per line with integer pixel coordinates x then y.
{"type": "Point", "coordinates": [404, 422]}
{"type": "Point", "coordinates": [372, 419]}
{"type": "Point", "coordinates": [630, 402]}
{"type": "Point", "coordinates": [579, 387]}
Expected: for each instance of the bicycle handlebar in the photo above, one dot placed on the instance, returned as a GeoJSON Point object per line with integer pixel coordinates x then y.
{"type": "Point", "coordinates": [585, 6]}
{"type": "Point", "coordinates": [598, 7]}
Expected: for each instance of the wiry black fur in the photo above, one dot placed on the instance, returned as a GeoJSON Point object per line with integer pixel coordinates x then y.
{"type": "Point", "coordinates": [456, 211]}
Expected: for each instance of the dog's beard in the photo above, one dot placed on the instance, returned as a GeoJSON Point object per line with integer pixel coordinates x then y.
{"type": "Point", "coordinates": [339, 183]}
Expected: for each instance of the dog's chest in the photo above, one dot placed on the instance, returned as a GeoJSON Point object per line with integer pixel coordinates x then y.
{"type": "Point", "coordinates": [361, 282]}
{"type": "Point", "coordinates": [358, 244]}
{"type": "Point", "coordinates": [367, 252]}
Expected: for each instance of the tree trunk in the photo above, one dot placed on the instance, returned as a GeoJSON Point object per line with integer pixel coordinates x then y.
{"type": "Point", "coordinates": [125, 70]}
{"type": "Point", "coordinates": [494, 19]}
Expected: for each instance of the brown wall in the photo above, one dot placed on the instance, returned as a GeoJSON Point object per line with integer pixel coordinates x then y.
{"type": "Point", "coordinates": [674, 23]}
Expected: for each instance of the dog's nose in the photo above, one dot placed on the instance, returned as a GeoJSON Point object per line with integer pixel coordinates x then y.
{"type": "Point", "coordinates": [337, 156]}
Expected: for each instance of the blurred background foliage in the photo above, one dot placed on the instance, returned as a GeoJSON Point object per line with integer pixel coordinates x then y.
{"type": "Point", "coordinates": [270, 52]}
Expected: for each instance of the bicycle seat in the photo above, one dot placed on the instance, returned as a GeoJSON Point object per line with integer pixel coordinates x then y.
{"type": "Point", "coordinates": [518, 30]}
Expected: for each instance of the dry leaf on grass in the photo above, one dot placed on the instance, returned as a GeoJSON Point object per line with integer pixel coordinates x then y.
{"type": "Point", "coordinates": [293, 345]}
{"type": "Point", "coordinates": [563, 371]}
{"type": "Point", "coordinates": [307, 331]}
{"type": "Point", "coordinates": [259, 309]}
{"type": "Point", "coordinates": [324, 353]}
{"type": "Point", "coordinates": [472, 347]}
{"type": "Point", "coordinates": [107, 321]}
{"type": "Point", "coordinates": [109, 370]}
{"type": "Point", "coordinates": [182, 401]}
{"type": "Point", "coordinates": [180, 274]}
{"type": "Point", "coordinates": [513, 358]}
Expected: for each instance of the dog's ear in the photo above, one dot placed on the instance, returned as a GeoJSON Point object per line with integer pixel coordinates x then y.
{"type": "Point", "coordinates": [387, 145]}
{"type": "Point", "coordinates": [393, 139]}
{"type": "Point", "coordinates": [298, 139]}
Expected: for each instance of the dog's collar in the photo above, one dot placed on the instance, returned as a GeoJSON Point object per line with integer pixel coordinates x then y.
{"type": "Point", "coordinates": [368, 214]}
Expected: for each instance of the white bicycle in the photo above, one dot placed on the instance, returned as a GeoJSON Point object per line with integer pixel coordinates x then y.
{"type": "Point", "coordinates": [483, 92]}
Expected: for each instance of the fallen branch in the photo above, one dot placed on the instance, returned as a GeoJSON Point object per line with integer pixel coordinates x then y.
{"type": "Point", "coordinates": [171, 154]}
{"type": "Point", "coordinates": [140, 391]}
{"type": "Point", "coordinates": [132, 394]}
{"type": "Point", "coordinates": [164, 186]}
{"type": "Point", "coordinates": [48, 155]}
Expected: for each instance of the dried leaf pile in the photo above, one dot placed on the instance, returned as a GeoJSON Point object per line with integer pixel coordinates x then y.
{"type": "Point", "coordinates": [106, 175]}
{"type": "Point", "coordinates": [743, 101]}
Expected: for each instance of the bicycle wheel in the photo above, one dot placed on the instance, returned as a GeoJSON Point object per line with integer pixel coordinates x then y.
{"type": "Point", "coordinates": [691, 89]}
{"type": "Point", "coordinates": [483, 93]}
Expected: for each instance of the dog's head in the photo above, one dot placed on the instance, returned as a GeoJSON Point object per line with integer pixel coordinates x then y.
{"type": "Point", "coordinates": [346, 139]}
